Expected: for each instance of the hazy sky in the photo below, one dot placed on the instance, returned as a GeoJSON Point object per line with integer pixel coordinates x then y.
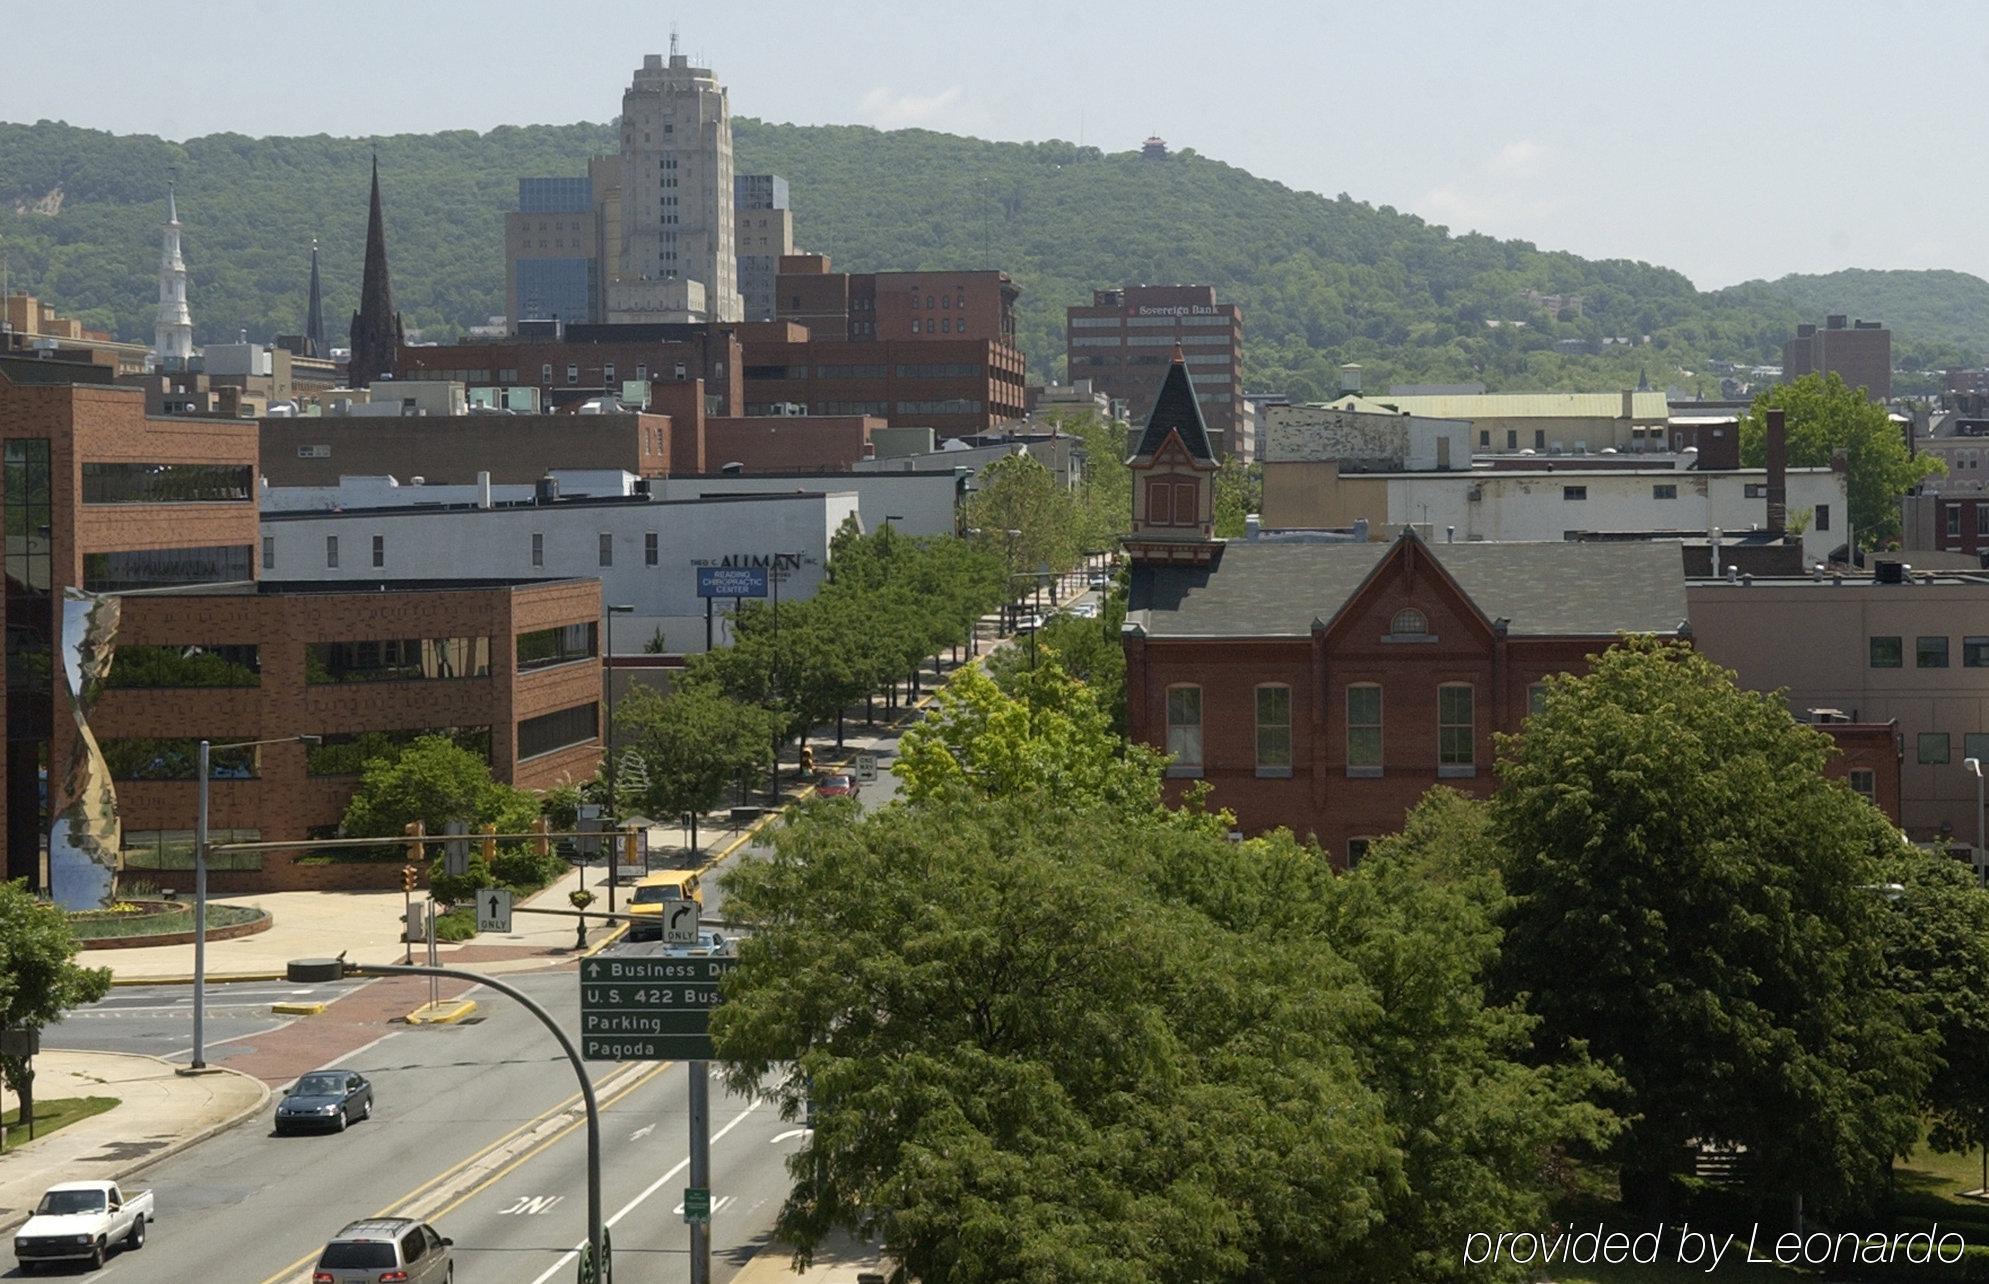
{"type": "Point", "coordinates": [1729, 139]}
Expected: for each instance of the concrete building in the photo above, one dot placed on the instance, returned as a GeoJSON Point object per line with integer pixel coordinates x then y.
{"type": "Point", "coordinates": [765, 234]}
{"type": "Point", "coordinates": [676, 200]}
{"type": "Point", "coordinates": [1365, 441]}
{"type": "Point", "coordinates": [553, 252]}
{"type": "Point", "coordinates": [1122, 342]}
{"type": "Point", "coordinates": [1860, 354]}
{"type": "Point", "coordinates": [1547, 423]}
{"type": "Point", "coordinates": [1895, 646]}
{"type": "Point", "coordinates": [645, 551]}
{"type": "Point", "coordinates": [29, 326]}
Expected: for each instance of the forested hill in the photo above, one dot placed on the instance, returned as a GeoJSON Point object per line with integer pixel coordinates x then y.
{"type": "Point", "coordinates": [1321, 280]}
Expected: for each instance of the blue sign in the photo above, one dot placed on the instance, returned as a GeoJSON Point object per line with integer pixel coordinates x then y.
{"type": "Point", "coordinates": [732, 581]}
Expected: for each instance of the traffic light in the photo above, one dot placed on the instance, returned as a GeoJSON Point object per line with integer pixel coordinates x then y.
{"type": "Point", "coordinates": [489, 844]}
{"type": "Point", "coordinates": [408, 874]}
{"type": "Point", "coordinates": [807, 760]}
{"type": "Point", "coordinates": [417, 850]}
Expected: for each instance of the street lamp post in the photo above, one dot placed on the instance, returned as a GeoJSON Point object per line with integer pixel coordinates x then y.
{"type": "Point", "coordinates": [608, 674]}
{"type": "Point", "coordinates": [1974, 766]}
{"type": "Point", "coordinates": [199, 1061]}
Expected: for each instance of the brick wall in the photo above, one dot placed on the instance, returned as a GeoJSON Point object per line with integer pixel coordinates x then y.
{"type": "Point", "coordinates": [789, 443]}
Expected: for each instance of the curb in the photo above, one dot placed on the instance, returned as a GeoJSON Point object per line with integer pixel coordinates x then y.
{"type": "Point", "coordinates": [615, 933]}
{"type": "Point", "coordinates": [296, 1009]}
{"type": "Point", "coordinates": [180, 1144]}
{"type": "Point", "coordinates": [447, 1013]}
{"type": "Point", "coordinates": [230, 978]}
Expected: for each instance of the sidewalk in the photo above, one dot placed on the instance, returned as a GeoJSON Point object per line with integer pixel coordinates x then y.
{"type": "Point", "coordinates": [159, 1113]}
{"type": "Point", "coordinates": [840, 1260]}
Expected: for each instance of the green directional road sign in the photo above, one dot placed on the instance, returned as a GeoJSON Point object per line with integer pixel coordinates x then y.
{"type": "Point", "coordinates": [697, 1204]}
{"type": "Point", "coordinates": [652, 1008]}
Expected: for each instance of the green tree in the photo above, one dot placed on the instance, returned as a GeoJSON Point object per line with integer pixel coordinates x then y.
{"type": "Point", "coordinates": [1822, 416]}
{"type": "Point", "coordinates": [1017, 493]}
{"type": "Point", "coordinates": [1088, 649]}
{"type": "Point", "coordinates": [39, 978]}
{"type": "Point", "coordinates": [1677, 836]}
{"type": "Point", "coordinates": [693, 744]}
{"type": "Point", "coordinates": [434, 781]}
{"type": "Point", "coordinates": [1239, 492]}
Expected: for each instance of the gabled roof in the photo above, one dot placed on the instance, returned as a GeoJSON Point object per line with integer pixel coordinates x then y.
{"type": "Point", "coordinates": [1176, 410]}
{"type": "Point", "coordinates": [1547, 589]}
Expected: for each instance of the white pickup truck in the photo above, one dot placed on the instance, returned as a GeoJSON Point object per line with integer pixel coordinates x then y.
{"type": "Point", "coordinates": [79, 1221]}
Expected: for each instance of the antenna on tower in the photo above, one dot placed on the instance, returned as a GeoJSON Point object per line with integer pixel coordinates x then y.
{"type": "Point", "coordinates": [673, 40]}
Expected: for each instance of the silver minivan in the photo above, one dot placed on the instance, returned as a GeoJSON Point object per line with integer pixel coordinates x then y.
{"type": "Point", "coordinates": [397, 1248]}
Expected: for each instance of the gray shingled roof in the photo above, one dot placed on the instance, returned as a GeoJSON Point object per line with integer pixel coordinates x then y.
{"type": "Point", "coordinates": [1543, 589]}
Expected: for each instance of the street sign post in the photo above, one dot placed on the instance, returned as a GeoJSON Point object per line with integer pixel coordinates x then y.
{"type": "Point", "coordinates": [649, 1008]}
{"type": "Point", "coordinates": [866, 768]}
{"type": "Point", "coordinates": [697, 1204]}
{"type": "Point", "coordinates": [680, 922]}
{"type": "Point", "coordinates": [493, 909]}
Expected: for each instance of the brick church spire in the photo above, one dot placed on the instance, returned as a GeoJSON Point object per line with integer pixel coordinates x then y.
{"type": "Point", "coordinates": [376, 327]}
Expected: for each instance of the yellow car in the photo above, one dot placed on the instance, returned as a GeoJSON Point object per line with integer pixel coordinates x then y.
{"type": "Point", "coordinates": [653, 895]}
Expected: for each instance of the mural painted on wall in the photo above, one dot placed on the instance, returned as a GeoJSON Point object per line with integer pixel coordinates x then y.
{"type": "Point", "coordinates": [84, 838]}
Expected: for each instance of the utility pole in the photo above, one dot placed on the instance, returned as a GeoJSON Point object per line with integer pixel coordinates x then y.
{"type": "Point", "coordinates": [700, 1121]}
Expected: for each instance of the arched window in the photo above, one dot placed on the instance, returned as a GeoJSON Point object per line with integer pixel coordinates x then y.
{"type": "Point", "coordinates": [1409, 623]}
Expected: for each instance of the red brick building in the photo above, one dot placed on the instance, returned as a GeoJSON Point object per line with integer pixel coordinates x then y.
{"type": "Point", "coordinates": [959, 387]}
{"type": "Point", "coordinates": [1325, 687]}
{"type": "Point", "coordinates": [1121, 343]}
{"type": "Point", "coordinates": [894, 305]}
{"type": "Point", "coordinates": [160, 514]}
{"type": "Point", "coordinates": [590, 361]}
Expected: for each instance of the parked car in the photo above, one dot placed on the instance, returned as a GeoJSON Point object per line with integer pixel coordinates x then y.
{"type": "Point", "coordinates": [78, 1221]}
{"type": "Point", "coordinates": [325, 1099]}
{"type": "Point", "coordinates": [838, 785]}
{"type": "Point", "coordinates": [386, 1248]}
{"type": "Point", "coordinates": [1099, 580]}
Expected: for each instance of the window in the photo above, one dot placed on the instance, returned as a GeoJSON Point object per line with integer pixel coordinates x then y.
{"type": "Point", "coordinates": [608, 374]}
{"type": "Point", "coordinates": [551, 731]}
{"type": "Point", "coordinates": [1540, 439]}
{"type": "Point", "coordinates": [1981, 520]}
{"type": "Point", "coordinates": [545, 374]}
{"type": "Point", "coordinates": [1364, 730]}
{"type": "Point", "coordinates": [1822, 518]}
{"type": "Point", "coordinates": [1409, 623]}
{"type": "Point", "coordinates": [1930, 653]}
{"type": "Point", "coordinates": [331, 551]}
{"type": "Point", "coordinates": [1954, 519]}
{"type": "Point", "coordinates": [573, 374]}
{"type": "Point", "coordinates": [1512, 439]}
{"type": "Point", "coordinates": [1574, 492]}
{"type": "Point", "coordinates": [543, 648]}
{"type": "Point", "coordinates": [1864, 783]}
{"type": "Point", "coordinates": [1485, 437]}
{"type": "Point", "coordinates": [396, 660]}
{"type": "Point", "coordinates": [1536, 698]}
{"type": "Point", "coordinates": [167, 483]}
{"type": "Point", "coordinates": [1933, 747]}
{"type": "Point", "coordinates": [185, 665]}
{"type": "Point", "coordinates": [607, 551]}
{"type": "Point", "coordinates": [1159, 503]}
{"type": "Point", "coordinates": [379, 550]}
{"type": "Point", "coordinates": [1456, 750]}
{"type": "Point", "coordinates": [1665, 490]}
{"type": "Point", "coordinates": [1357, 851]}
{"type": "Point", "coordinates": [1885, 653]}
{"type": "Point", "coordinates": [1274, 731]}
{"type": "Point", "coordinates": [649, 552]}
{"type": "Point", "coordinates": [167, 567]}
{"type": "Point", "coordinates": [150, 758]}
{"type": "Point", "coordinates": [269, 552]}
{"type": "Point", "coordinates": [1184, 730]}
{"type": "Point", "coordinates": [1975, 745]}
{"type": "Point", "coordinates": [538, 549]}
{"type": "Point", "coordinates": [1755, 490]}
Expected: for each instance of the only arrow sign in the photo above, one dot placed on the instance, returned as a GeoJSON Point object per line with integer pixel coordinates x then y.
{"type": "Point", "coordinates": [681, 928]}
{"type": "Point", "coordinates": [494, 910]}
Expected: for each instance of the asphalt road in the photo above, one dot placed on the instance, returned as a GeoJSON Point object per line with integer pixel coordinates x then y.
{"type": "Point", "coordinates": [476, 1130]}
{"type": "Point", "coordinates": [157, 1020]}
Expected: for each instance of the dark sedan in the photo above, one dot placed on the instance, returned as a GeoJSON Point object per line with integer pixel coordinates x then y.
{"type": "Point", "coordinates": [325, 1099]}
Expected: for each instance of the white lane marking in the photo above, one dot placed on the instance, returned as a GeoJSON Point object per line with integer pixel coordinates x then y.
{"type": "Point", "coordinates": [716, 1204]}
{"type": "Point", "coordinates": [573, 1253]}
{"type": "Point", "coordinates": [233, 1038]}
{"type": "Point", "coordinates": [642, 1132]}
{"type": "Point", "coordinates": [789, 1135]}
{"type": "Point", "coordinates": [530, 1205]}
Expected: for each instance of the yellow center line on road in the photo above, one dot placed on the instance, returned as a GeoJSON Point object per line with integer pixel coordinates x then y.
{"type": "Point", "coordinates": [297, 1267]}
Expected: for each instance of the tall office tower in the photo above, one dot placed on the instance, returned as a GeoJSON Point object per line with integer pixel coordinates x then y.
{"type": "Point", "coordinates": [765, 234]}
{"type": "Point", "coordinates": [172, 335]}
{"type": "Point", "coordinates": [677, 260]}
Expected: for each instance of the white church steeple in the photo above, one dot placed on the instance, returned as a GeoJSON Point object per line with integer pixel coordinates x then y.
{"type": "Point", "coordinates": [172, 335]}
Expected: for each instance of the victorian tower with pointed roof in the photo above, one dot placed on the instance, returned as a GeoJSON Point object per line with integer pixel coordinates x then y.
{"type": "Point", "coordinates": [172, 334]}
{"type": "Point", "coordinates": [1174, 478]}
{"type": "Point", "coordinates": [376, 327]}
